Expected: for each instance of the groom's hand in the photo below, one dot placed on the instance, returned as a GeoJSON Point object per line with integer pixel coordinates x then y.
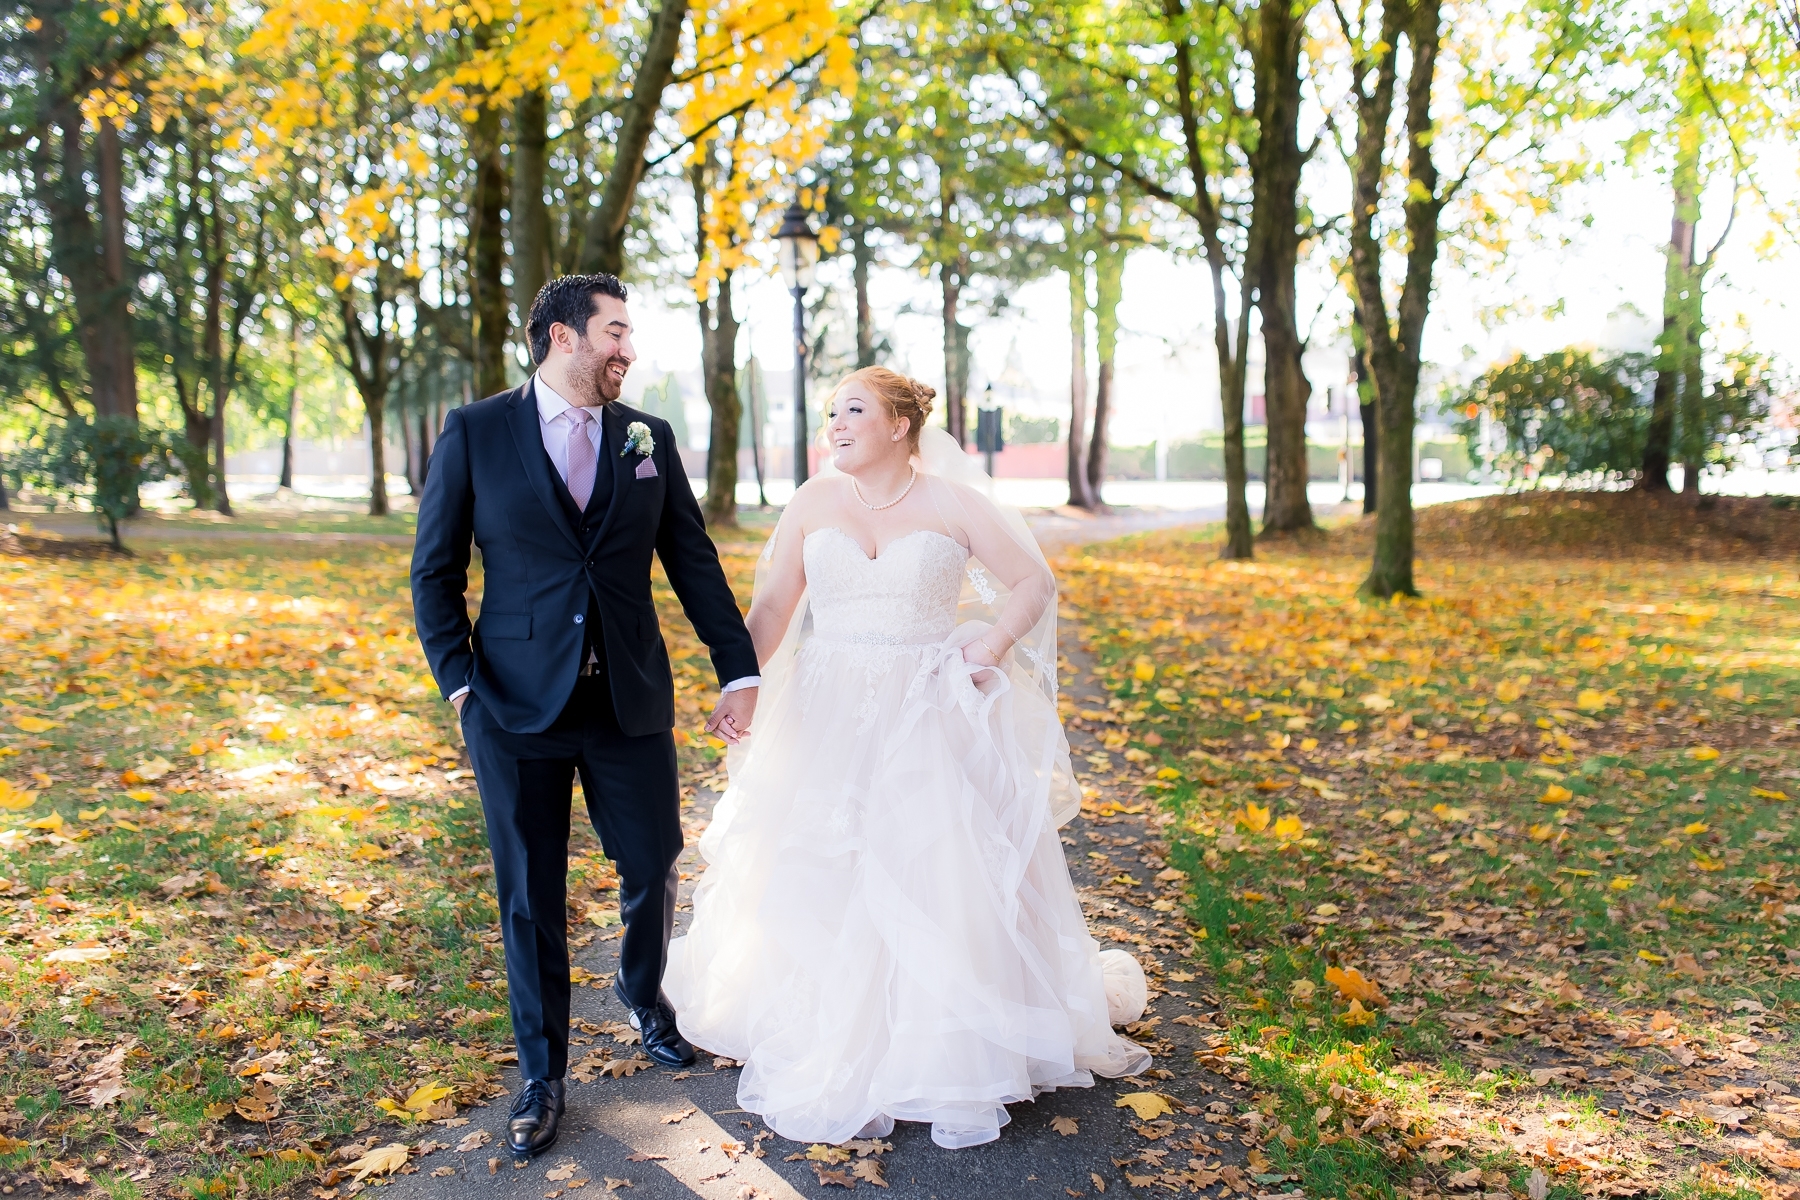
{"type": "Point", "coordinates": [458, 702]}
{"type": "Point", "coordinates": [730, 721]}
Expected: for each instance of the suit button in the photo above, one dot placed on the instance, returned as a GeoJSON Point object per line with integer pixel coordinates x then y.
{"type": "Point", "coordinates": [590, 562]}
{"type": "Point", "coordinates": [578, 618]}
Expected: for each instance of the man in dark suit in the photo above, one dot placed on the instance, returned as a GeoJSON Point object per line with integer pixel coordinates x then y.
{"type": "Point", "coordinates": [568, 493]}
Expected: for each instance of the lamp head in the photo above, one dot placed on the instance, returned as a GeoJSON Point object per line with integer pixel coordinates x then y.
{"type": "Point", "coordinates": [799, 248]}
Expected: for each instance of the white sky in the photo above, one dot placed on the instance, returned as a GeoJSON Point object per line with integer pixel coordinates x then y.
{"type": "Point", "coordinates": [1166, 370]}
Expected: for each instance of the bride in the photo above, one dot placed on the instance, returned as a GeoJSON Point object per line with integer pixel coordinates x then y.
{"type": "Point", "coordinates": [886, 929]}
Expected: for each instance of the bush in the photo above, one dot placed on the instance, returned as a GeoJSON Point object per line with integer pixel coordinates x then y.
{"type": "Point", "coordinates": [1567, 413]}
{"type": "Point", "coordinates": [102, 460]}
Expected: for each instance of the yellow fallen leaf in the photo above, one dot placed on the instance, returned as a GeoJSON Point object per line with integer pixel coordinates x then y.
{"type": "Point", "coordinates": [428, 1095]}
{"type": "Point", "coordinates": [1622, 883]}
{"type": "Point", "coordinates": [15, 799]}
{"type": "Point", "coordinates": [1556, 793]}
{"type": "Point", "coordinates": [141, 795]}
{"type": "Point", "coordinates": [1695, 828]}
{"type": "Point", "coordinates": [393, 1109]}
{"type": "Point", "coordinates": [1542, 833]}
{"type": "Point", "coordinates": [1703, 754]}
{"type": "Point", "coordinates": [1590, 701]}
{"type": "Point", "coordinates": [1352, 985]}
{"type": "Point", "coordinates": [1146, 1105]}
{"type": "Point", "coordinates": [1254, 817]}
{"type": "Point", "coordinates": [1290, 828]}
{"type": "Point", "coordinates": [151, 769]}
{"type": "Point", "coordinates": [36, 724]}
{"type": "Point", "coordinates": [1768, 794]}
{"type": "Point", "coordinates": [1376, 702]}
{"type": "Point", "coordinates": [383, 1160]}
{"type": "Point", "coordinates": [1508, 691]}
{"type": "Point", "coordinates": [1356, 1015]}
{"type": "Point", "coordinates": [1143, 670]}
{"type": "Point", "coordinates": [90, 814]}
{"type": "Point", "coordinates": [53, 822]}
{"type": "Point", "coordinates": [1168, 773]}
{"type": "Point", "coordinates": [1652, 958]}
{"type": "Point", "coordinates": [79, 954]}
{"type": "Point", "coordinates": [352, 899]}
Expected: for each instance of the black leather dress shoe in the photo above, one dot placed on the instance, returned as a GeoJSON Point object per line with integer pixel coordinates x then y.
{"type": "Point", "coordinates": [662, 1040]}
{"type": "Point", "coordinates": [535, 1115]}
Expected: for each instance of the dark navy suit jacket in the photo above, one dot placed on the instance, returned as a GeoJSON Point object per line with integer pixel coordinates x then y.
{"type": "Point", "coordinates": [546, 567]}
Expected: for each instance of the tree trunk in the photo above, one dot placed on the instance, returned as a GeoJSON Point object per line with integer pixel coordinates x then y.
{"type": "Point", "coordinates": [214, 352]}
{"type": "Point", "coordinates": [487, 246]}
{"type": "Point", "coordinates": [531, 266]}
{"type": "Point", "coordinates": [59, 177]}
{"type": "Point", "coordinates": [1672, 345]}
{"type": "Point", "coordinates": [1081, 494]}
{"type": "Point", "coordinates": [221, 492]}
{"type": "Point", "coordinates": [718, 367]}
{"type": "Point", "coordinates": [1276, 164]}
{"type": "Point", "coordinates": [1365, 407]}
{"type": "Point", "coordinates": [375, 405]}
{"type": "Point", "coordinates": [720, 361]}
{"type": "Point", "coordinates": [1238, 541]}
{"type": "Point", "coordinates": [1109, 281]}
{"type": "Point", "coordinates": [956, 372]}
{"type": "Point", "coordinates": [122, 339]}
{"type": "Point", "coordinates": [603, 245]}
{"type": "Point", "coordinates": [1240, 544]}
{"type": "Point", "coordinates": [1395, 345]}
{"type": "Point", "coordinates": [862, 256]}
{"type": "Point", "coordinates": [424, 449]}
{"type": "Point", "coordinates": [1693, 398]}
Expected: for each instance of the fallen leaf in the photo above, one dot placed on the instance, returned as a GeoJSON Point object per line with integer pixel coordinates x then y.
{"type": "Point", "coordinates": [383, 1160]}
{"type": "Point", "coordinates": [1147, 1105]}
{"type": "Point", "coordinates": [15, 799]}
{"type": "Point", "coordinates": [475, 1139]}
{"type": "Point", "coordinates": [1099, 1183]}
{"type": "Point", "coordinates": [1556, 793]}
{"type": "Point", "coordinates": [1067, 1126]}
{"type": "Point", "coordinates": [869, 1171]}
{"type": "Point", "coordinates": [1353, 986]}
{"type": "Point", "coordinates": [677, 1117]}
{"type": "Point", "coordinates": [558, 1174]}
{"type": "Point", "coordinates": [836, 1178]}
{"type": "Point", "coordinates": [1703, 754]}
{"type": "Point", "coordinates": [36, 724]}
{"type": "Point", "coordinates": [79, 954]}
{"type": "Point", "coordinates": [1466, 1179]}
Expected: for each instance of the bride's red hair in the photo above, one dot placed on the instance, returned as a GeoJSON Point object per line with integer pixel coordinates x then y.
{"type": "Point", "coordinates": [904, 398]}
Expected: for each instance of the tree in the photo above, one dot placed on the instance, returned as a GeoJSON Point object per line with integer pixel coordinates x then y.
{"type": "Point", "coordinates": [1712, 82]}
{"type": "Point", "coordinates": [1149, 91]}
{"type": "Point", "coordinates": [1513, 83]}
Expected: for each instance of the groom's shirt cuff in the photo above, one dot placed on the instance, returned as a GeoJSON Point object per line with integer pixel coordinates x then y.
{"type": "Point", "coordinates": [461, 691]}
{"type": "Point", "coordinates": [748, 681]}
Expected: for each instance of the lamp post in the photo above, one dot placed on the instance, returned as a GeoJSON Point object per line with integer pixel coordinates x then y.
{"type": "Point", "coordinates": [799, 255]}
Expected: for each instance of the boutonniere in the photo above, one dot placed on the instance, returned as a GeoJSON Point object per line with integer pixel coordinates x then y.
{"type": "Point", "coordinates": [637, 437]}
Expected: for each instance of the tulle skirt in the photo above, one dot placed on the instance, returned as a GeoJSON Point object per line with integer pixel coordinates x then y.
{"type": "Point", "coordinates": [886, 929]}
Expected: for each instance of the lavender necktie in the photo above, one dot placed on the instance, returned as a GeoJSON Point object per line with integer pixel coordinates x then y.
{"type": "Point", "coordinates": [581, 457]}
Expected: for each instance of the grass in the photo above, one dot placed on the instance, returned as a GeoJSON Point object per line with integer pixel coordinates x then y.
{"type": "Point", "coordinates": [1539, 825]}
{"type": "Point", "coordinates": [236, 914]}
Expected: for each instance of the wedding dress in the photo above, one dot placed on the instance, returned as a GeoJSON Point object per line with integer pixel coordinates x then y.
{"type": "Point", "coordinates": [886, 929]}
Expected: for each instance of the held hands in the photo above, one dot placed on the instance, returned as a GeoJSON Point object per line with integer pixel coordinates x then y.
{"type": "Point", "coordinates": [730, 721]}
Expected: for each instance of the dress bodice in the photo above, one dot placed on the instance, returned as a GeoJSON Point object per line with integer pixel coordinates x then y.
{"type": "Point", "coordinates": [906, 594]}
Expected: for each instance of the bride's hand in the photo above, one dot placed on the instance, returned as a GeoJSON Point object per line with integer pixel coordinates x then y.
{"type": "Point", "coordinates": [977, 653]}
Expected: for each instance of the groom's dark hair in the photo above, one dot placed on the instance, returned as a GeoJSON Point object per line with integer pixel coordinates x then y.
{"type": "Point", "coordinates": [569, 301]}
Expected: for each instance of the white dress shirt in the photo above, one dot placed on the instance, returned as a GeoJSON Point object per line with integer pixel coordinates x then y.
{"type": "Point", "coordinates": [554, 427]}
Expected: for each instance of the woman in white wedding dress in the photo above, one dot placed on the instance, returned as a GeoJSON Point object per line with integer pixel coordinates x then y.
{"type": "Point", "coordinates": [886, 929]}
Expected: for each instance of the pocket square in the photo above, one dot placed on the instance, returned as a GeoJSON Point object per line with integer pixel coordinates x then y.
{"type": "Point", "coordinates": [646, 468]}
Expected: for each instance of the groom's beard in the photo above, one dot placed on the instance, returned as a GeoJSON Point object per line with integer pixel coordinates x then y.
{"type": "Point", "coordinates": [590, 377]}
{"type": "Point", "coordinates": [604, 385]}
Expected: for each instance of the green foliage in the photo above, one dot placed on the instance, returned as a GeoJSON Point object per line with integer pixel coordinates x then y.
{"type": "Point", "coordinates": [101, 461]}
{"type": "Point", "coordinates": [1022, 430]}
{"type": "Point", "coordinates": [1566, 413]}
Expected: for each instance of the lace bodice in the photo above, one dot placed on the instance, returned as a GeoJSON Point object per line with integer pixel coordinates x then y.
{"type": "Point", "coordinates": [905, 595]}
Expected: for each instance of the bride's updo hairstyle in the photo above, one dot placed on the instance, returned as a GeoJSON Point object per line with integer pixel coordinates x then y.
{"type": "Point", "coordinates": [905, 399]}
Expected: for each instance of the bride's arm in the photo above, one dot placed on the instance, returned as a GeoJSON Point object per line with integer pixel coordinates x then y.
{"type": "Point", "coordinates": [778, 591]}
{"type": "Point", "coordinates": [1032, 586]}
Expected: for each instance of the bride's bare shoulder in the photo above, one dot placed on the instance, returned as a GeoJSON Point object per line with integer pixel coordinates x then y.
{"type": "Point", "coordinates": [816, 499]}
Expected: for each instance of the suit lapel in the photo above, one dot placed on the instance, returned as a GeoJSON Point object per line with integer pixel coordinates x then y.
{"type": "Point", "coordinates": [612, 423]}
{"type": "Point", "coordinates": [540, 473]}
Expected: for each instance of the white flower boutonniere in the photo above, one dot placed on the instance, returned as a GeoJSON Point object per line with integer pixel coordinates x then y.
{"type": "Point", "coordinates": [637, 437]}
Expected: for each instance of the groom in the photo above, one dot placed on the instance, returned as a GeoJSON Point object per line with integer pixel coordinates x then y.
{"type": "Point", "coordinates": [568, 493]}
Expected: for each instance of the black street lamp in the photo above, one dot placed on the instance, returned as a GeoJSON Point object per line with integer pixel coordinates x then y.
{"type": "Point", "coordinates": [799, 255]}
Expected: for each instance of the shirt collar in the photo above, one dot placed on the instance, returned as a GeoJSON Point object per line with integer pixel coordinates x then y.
{"type": "Point", "coordinates": [550, 403]}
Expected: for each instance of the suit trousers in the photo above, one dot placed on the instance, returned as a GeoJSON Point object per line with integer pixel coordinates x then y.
{"type": "Point", "coordinates": [634, 802]}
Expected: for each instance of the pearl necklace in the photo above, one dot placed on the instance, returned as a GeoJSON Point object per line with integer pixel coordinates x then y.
{"type": "Point", "coordinates": [890, 503]}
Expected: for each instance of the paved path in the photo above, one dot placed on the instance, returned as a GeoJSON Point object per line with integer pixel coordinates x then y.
{"type": "Point", "coordinates": [610, 1120]}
